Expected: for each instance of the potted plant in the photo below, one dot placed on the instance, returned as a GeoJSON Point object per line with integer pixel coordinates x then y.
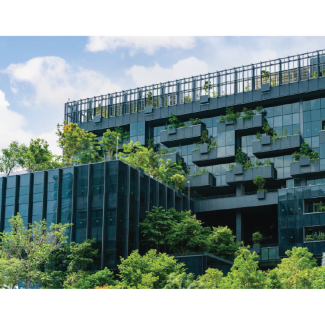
{"type": "Point", "coordinates": [257, 238]}
{"type": "Point", "coordinates": [259, 181]}
{"type": "Point", "coordinates": [205, 98]}
{"type": "Point", "coordinates": [265, 81]}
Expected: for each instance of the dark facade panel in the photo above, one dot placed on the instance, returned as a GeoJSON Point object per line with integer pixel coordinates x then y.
{"type": "Point", "coordinates": [105, 201]}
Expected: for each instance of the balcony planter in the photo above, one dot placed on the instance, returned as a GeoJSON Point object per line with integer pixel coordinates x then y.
{"type": "Point", "coordinates": [204, 99]}
{"type": "Point", "coordinates": [304, 162]}
{"type": "Point", "coordinates": [230, 122]}
{"type": "Point", "coordinates": [266, 140]}
{"type": "Point", "coordinates": [181, 136]}
{"type": "Point", "coordinates": [172, 130]}
{"type": "Point", "coordinates": [148, 109]}
{"type": "Point", "coordinates": [238, 170]}
{"type": "Point", "coordinates": [305, 167]}
{"type": "Point", "coordinates": [257, 249]}
{"type": "Point", "coordinates": [204, 148]}
{"type": "Point", "coordinates": [250, 126]}
{"type": "Point", "coordinates": [214, 156]}
{"type": "Point", "coordinates": [97, 119]}
{"type": "Point", "coordinates": [174, 157]}
{"type": "Point", "coordinates": [265, 88]}
{"type": "Point", "coordinates": [268, 147]}
{"type": "Point", "coordinates": [261, 195]}
{"type": "Point", "coordinates": [267, 172]}
{"type": "Point", "coordinates": [202, 181]}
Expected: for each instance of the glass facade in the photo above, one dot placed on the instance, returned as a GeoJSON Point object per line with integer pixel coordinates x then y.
{"type": "Point", "coordinates": [103, 201]}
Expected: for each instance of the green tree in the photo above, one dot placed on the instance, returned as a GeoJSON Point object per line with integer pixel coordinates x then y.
{"type": "Point", "coordinates": [32, 246]}
{"type": "Point", "coordinates": [38, 156]}
{"type": "Point", "coordinates": [178, 181]}
{"type": "Point", "coordinates": [222, 242]}
{"type": "Point", "coordinates": [241, 157]}
{"type": "Point", "coordinates": [257, 237]}
{"type": "Point", "coordinates": [98, 279]}
{"type": "Point", "coordinates": [148, 271]}
{"type": "Point", "coordinates": [210, 280]}
{"type": "Point", "coordinates": [68, 264]}
{"type": "Point", "coordinates": [260, 182]}
{"type": "Point", "coordinates": [188, 235]}
{"type": "Point", "coordinates": [295, 271]}
{"type": "Point", "coordinates": [180, 281]}
{"type": "Point", "coordinates": [167, 169]}
{"type": "Point", "coordinates": [244, 273]}
{"type": "Point", "coordinates": [156, 226]}
{"type": "Point", "coordinates": [109, 142]}
{"type": "Point", "coordinates": [12, 158]}
{"type": "Point", "coordinates": [78, 145]}
{"type": "Point", "coordinates": [11, 271]}
{"type": "Point", "coordinates": [135, 155]}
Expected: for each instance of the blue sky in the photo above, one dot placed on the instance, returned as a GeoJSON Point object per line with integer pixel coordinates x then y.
{"type": "Point", "coordinates": [39, 74]}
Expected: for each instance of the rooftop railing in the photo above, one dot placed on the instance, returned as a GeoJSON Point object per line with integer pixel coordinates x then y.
{"type": "Point", "coordinates": [217, 84]}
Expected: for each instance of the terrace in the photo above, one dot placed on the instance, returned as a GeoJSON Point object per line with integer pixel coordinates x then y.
{"type": "Point", "coordinates": [254, 82]}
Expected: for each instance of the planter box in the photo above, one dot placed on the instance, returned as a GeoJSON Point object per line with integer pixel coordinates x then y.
{"type": "Point", "coordinates": [261, 195]}
{"type": "Point", "coordinates": [265, 88]}
{"type": "Point", "coordinates": [204, 148]}
{"type": "Point", "coordinates": [148, 109]}
{"type": "Point", "coordinates": [97, 119]}
{"type": "Point", "coordinates": [171, 130]}
{"type": "Point", "coordinates": [217, 155]}
{"type": "Point", "coordinates": [243, 127]}
{"type": "Point", "coordinates": [202, 181]}
{"type": "Point", "coordinates": [267, 147]}
{"type": "Point", "coordinates": [238, 170]}
{"type": "Point", "coordinates": [267, 172]}
{"type": "Point", "coordinates": [174, 157]}
{"type": "Point", "coordinates": [181, 136]}
{"type": "Point", "coordinates": [257, 249]}
{"type": "Point", "coordinates": [305, 167]}
{"type": "Point", "coordinates": [204, 99]}
{"type": "Point", "coordinates": [266, 140]}
{"type": "Point", "coordinates": [304, 162]}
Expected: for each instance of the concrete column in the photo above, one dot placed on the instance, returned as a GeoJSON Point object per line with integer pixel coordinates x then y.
{"type": "Point", "coordinates": [238, 225]}
{"type": "Point", "coordinates": [240, 190]}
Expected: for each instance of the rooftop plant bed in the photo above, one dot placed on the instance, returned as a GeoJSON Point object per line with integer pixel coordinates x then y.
{"type": "Point", "coordinates": [269, 146]}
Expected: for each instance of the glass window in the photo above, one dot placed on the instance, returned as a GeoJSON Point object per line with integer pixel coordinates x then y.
{"type": "Point", "coordinates": [287, 119]}
{"type": "Point", "coordinates": [306, 106]}
{"type": "Point", "coordinates": [315, 104]}
{"type": "Point", "coordinates": [133, 129]}
{"type": "Point", "coordinates": [269, 111]}
{"type": "Point", "coordinates": [278, 121]}
{"type": "Point", "coordinates": [278, 111]}
{"type": "Point", "coordinates": [295, 108]}
{"type": "Point", "coordinates": [307, 117]}
{"type": "Point", "coordinates": [316, 127]}
{"type": "Point", "coordinates": [141, 128]}
{"type": "Point", "coordinates": [221, 139]}
{"type": "Point", "coordinates": [286, 109]}
{"type": "Point", "coordinates": [307, 129]}
{"type": "Point", "coordinates": [315, 142]}
{"type": "Point", "coordinates": [295, 118]}
{"type": "Point", "coordinates": [230, 138]}
{"type": "Point", "coordinates": [315, 115]}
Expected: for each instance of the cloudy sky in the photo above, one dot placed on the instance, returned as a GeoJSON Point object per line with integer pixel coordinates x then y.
{"type": "Point", "coordinates": [39, 74]}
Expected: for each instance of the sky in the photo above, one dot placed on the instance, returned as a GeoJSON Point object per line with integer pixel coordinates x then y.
{"type": "Point", "coordinates": [39, 74]}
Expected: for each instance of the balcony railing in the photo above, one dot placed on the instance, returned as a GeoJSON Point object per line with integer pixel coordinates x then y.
{"type": "Point", "coordinates": [273, 73]}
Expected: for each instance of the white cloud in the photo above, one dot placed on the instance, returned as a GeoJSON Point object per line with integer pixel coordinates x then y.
{"type": "Point", "coordinates": [43, 85]}
{"type": "Point", "coordinates": [13, 128]}
{"type": "Point", "coordinates": [182, 69]}
{"type": "Point", "coordinates": [146, 44]}
{"type": "Point", "coordinates": [228, 52]}
{"type": "Point", "coordinates": [54, 81]}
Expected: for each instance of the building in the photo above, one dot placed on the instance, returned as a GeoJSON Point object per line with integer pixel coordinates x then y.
{"type": "Point", "coordinates": [104, 201]}
{"type": "Point", "coordinates": [291, 91]}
